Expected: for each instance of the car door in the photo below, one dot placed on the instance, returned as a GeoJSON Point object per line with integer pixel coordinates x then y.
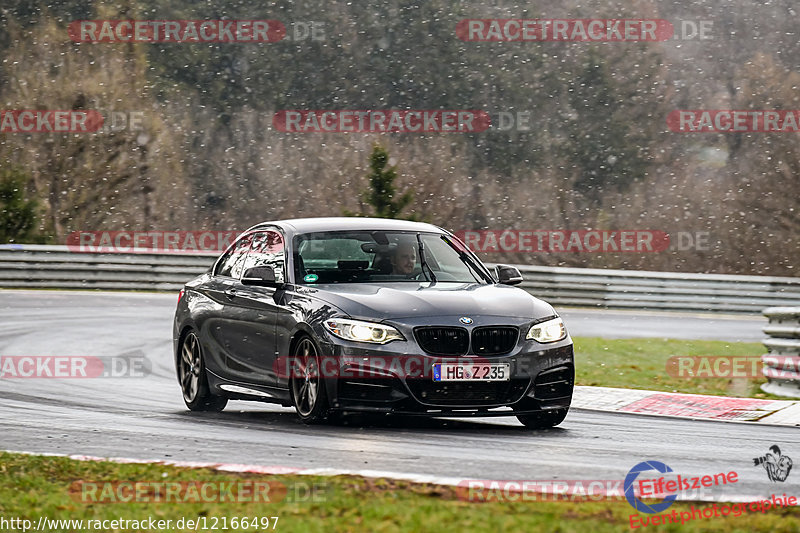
{"type": "Point", "coordinates": [251, 313]}
{"type": "Point", "coordinates": [214, 317]}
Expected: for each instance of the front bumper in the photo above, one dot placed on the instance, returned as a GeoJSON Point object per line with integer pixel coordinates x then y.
{"type": "Point", "coordinates": [382, 380]}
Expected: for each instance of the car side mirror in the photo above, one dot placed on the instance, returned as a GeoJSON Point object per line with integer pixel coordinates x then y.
{"type": "Point", "coordinates": [261, 276]}
{"type": "Point", "coordinates": [508, 275]}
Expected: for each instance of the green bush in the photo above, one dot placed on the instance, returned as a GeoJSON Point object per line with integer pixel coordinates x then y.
{"type": "Point", "coordinates": [17, 213]}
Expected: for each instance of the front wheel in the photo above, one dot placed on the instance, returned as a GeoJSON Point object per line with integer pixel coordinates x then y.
{"type": "Point", "coordinates": [193, 379]}
{"type": "Point", "coordinates": [307, 384]}
{"type": "Point", "coordinates": [544, 419]}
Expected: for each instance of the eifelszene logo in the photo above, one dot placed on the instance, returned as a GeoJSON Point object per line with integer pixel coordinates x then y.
{"type": "Point", "coordinates": [630, 485]}
{"type": "Point", "coordinates": [777, 466]}
{"type": "Point", "coordinates": [668, 489]}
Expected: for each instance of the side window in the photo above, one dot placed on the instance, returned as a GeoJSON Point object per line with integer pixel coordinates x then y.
{"type": "Point", "coordinates": [232, 262]}
{"type": "Point", "coordinates": [267, 249]}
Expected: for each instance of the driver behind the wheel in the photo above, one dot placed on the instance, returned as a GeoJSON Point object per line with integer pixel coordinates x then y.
{"type": "Point", "coordinates": [404, 259]}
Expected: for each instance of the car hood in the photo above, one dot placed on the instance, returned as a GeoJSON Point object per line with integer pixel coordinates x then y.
{"type": "Point", "coordinates": [417, 300]}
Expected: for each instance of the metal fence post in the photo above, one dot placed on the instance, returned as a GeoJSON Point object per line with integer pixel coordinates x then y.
{"type": "Point", "coordinates": [782, 363]}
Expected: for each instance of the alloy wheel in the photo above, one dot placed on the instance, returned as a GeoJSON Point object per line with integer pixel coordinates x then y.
{"type": "Point", "coordinates": [190, 367]}
{"type": "Point", "coordinates": [306, 385]}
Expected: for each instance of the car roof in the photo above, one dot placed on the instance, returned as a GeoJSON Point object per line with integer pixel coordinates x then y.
{"type": "Point", "coordinates": [309, 225]}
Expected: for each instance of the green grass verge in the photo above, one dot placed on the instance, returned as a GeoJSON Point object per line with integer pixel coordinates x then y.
{"type": "Point", "coordinates": [34, 486]}
{"type": "Point", "coordinates": [641, 364]}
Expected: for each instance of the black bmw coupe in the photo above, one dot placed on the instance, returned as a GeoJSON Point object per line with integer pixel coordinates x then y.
{"type": "Point", "coordinates": [361, 315]}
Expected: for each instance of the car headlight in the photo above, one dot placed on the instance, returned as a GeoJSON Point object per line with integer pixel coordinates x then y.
{"type": "Point", "coordinates": [549, 331]}
{"type": "Point", "coordinates": [356, 330]}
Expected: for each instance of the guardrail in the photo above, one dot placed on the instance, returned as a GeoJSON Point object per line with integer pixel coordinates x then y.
{"type": "Point", "coordinates": [782, 363]}
{"type": "Point", "coordinates": [34, 266]}
{"type": "Point", "coordinates": [56, 267]}
{"type": "Point", "coordinates": [672, 291]}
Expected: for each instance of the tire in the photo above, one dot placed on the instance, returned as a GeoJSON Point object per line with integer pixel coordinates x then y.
{"type": "Point", "coordinates": [308, 392]}
{"type": "Point", "coordinates": [544, 419]}
{"type": "Point", "coordinates": [192, 377]}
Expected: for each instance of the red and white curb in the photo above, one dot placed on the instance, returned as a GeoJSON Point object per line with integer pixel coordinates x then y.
{"type": "Point", "coordinates": [509, 489]}
{"type": "Point", "coordinates": [695, 406]}
{"type": "Point", "coordinates": [263, 469]}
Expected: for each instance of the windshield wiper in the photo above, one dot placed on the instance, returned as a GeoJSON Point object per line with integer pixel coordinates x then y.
{"type": "Point", "coordinates": [422, 262]}
{"type": "Point", "coordinates": [468, 260]}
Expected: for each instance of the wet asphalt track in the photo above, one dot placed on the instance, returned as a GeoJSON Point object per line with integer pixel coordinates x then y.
{"type": "Point", "coordinates": [145, 418]}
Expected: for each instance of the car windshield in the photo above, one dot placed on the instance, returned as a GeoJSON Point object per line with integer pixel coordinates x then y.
{"type": "Point", "coordinates": [381, 256]}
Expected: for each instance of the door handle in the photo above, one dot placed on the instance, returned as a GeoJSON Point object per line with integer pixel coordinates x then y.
{"type": "Point", "coordinates": [230, 293]}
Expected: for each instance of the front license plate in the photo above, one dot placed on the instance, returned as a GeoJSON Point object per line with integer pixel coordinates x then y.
{"type": "Point", "coordinates": [471, 372]}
